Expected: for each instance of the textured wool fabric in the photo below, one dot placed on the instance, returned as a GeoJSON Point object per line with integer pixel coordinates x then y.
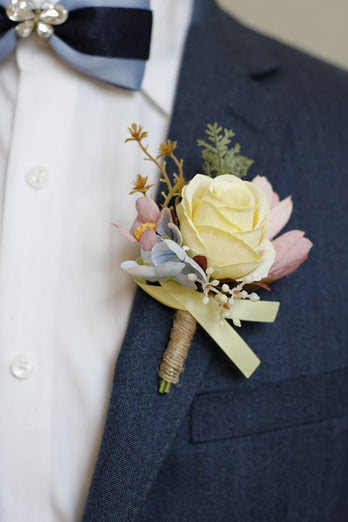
{"type": "Point", "coordinates": [221, 447]}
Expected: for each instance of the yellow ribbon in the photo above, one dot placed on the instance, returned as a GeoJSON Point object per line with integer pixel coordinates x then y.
{"type": "Point", "coordinates": [179, 297]}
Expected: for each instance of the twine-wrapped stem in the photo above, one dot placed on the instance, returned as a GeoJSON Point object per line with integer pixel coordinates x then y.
{"type": "Point", "coordinates": [172, 364]}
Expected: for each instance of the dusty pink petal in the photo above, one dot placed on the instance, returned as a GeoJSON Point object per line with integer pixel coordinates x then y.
{"type": "Point", "coordinates": [137, 223]}
{"type": "Point", "coordinates": [284, 243]}
{"type": "Point", "coordinates": [264, 184]}
{"type": "Point", "coordinates": [124, 232]}
{"type": "Point", "coordinates": [148, 240]}
{"type": "Point", "coordinates": [274, 200]}
{"type": "Point", "coordinates": [291, 249]}
{"type": "Point", "coordinates": [280, 215]}
{"type": "Point", "coordinates": [286, 270]}
{"type": "Point", "coordinates": [148, 210]}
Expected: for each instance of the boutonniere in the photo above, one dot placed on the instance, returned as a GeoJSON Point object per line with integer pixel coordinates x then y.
{"type": "Point", "coordinates": [209, 247]}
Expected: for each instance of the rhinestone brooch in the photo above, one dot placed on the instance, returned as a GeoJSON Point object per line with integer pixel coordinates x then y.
{"type": "Point", "coordinates": [41, 20]}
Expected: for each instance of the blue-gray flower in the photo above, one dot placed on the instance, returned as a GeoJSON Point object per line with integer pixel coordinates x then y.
{"type": "Point", "coordinates": [167, 259]}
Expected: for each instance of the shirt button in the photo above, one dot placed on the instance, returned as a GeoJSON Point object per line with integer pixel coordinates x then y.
{"type": "Point", "coordinates": [37, 177]}
{"type": "Point", "coordinates": [22, 366]}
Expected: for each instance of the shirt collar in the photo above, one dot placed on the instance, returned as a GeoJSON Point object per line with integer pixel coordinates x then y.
{"type": "Point", "coordinates": [170, 24]}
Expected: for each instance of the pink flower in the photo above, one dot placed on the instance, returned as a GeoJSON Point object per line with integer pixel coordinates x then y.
{"type": "Point", "coordinates": [145, 226]}
{"type": "Point", "coordinates": [291, 248]}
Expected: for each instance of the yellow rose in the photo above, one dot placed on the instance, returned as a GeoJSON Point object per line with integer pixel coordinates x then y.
{"type": "Point", "coordinates": [225, 219]}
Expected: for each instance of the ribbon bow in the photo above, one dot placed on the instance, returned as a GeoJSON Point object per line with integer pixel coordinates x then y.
{"type": "Point", "coordinates": [179, 297]}
{"type": "Point", "coordinates": [110, 43]}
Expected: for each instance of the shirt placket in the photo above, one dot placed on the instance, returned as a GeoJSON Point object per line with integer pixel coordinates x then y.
{"type": "Point", "coordinates": [31, 246]}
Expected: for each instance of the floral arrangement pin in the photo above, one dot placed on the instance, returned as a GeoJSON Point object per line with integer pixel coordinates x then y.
{"type": "Point", "coordinates": [210, 247]}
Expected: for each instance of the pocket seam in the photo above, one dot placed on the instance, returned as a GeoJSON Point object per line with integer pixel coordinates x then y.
{"type": "Point", "coordinates": [269, 407]}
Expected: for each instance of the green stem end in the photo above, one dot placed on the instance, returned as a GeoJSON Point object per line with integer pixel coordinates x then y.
{"type": "Point", "coordinates": [164, 386]}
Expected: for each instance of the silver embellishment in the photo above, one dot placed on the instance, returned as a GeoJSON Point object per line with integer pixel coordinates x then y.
{"type": "Point", "coordinates": [31, 19]}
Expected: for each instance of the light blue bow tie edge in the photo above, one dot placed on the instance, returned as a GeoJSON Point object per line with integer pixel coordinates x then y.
{"type": "Point", "coordinates": [122, 72]}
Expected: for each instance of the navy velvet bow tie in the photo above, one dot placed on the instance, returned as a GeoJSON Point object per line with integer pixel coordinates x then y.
{"type": "Point", "coordinates": [110, 42]}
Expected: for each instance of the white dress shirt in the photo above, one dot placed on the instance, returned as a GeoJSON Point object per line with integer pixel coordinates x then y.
{"type": "Point", "coordinates": [65, 175]}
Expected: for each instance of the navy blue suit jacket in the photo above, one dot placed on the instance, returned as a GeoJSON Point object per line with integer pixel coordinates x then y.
{"type": "Point", "coordinates": [221, 447]}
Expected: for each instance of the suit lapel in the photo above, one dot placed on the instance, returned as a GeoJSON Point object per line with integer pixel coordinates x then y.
{"type": "Point", "coordinates": [218, 82]}
{"type": "Point", "coordinates": [229, 78]}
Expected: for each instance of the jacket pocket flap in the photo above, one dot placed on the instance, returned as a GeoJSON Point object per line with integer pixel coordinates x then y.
{"type": "Point", "coordinates": [268, 407]}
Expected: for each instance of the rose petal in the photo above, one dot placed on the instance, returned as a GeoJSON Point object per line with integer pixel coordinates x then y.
{"type": "Point", "coordinates": [189, 233]}
{"type": "Point", "coordinates": [280, 215]}
{"type": "Point", "coordinates": [265, 185]}
{"type": "Point", "coordinates": [253, 238]}
{"type": "Point", "coordinates": [204, 213]}
{"type": "Point", "coordinates": [241, 218]}
{"type": "Point", "coordinates": [222, 247]}
{"type": "Point", "coordinates": [233, 271]}
{"type": "Point", "coordinates": [195, 189]}
{"type": "Point", "coordinates": [263, 209]}
{"type": "Point", "coordinates": [231, 191]}
{"type": "Point", "coordinates": [268, 256]}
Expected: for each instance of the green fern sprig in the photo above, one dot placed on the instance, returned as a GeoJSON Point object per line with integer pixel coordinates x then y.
{"type": "Point", "coordinates": [218, 157]}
